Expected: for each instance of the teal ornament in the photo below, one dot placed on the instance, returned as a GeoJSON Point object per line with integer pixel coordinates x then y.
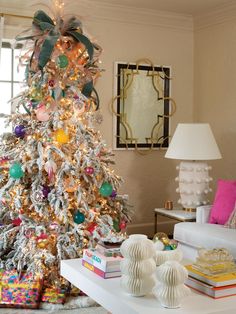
{"type": "Point", "coordinates": [116, 225]}
{"type": "Point", "coordinates": [79, 217]}
{"type": "Point", "coordinates": [62, 61]}
{"type": "Point", "coordinates": [168, 248]}
{"type": "Point", "coordinates": [106, 189]}
{"type": "Point", "coordinates": [16, 171]}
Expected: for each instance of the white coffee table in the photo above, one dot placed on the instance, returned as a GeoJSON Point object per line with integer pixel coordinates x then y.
{"type": "Point", "coordinates": [107, 293]}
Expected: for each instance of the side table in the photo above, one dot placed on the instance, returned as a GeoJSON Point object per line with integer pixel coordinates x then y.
{"type": "Point", "coordinates": [175, 214]}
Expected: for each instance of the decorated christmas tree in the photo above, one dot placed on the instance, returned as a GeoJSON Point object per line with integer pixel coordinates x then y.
{"type": "Point", "coordinates": [58, 194]}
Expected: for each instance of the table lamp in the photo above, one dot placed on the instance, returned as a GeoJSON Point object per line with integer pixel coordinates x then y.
{"type": "Point", "coordinates": [194, 143]}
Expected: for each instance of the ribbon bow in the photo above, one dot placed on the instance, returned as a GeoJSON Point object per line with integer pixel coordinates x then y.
{"type": "Point", "coordinates": [54, 30]}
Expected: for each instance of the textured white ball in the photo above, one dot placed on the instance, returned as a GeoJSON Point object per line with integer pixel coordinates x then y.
{"type": "Point", "coordinates": [137, 286]}
{"type": "Point", "coordinates": [163, 256]}
{"type": "Point", "coordinates": [137, 268]}
{"type": "Point", "coordinates": [137, 247]}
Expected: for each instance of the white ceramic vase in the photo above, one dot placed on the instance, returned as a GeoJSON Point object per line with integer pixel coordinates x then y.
{"type": "Point", "coordinates": [170, 288]}
{"type": "Point", "coordinates": [138, 265]}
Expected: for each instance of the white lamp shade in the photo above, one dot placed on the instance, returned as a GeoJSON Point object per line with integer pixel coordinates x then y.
{"type": "Point", "coordinates": [193, 141]}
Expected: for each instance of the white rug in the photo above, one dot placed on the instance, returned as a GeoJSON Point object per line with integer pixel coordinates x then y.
{"type": "Point", "coordinates": [88, 310]}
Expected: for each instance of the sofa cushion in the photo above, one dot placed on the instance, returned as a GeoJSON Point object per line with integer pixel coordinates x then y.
{"type": "Point", "coordinates": [224, 202]}
{"type": "Point", "coordinates": [207, 235]}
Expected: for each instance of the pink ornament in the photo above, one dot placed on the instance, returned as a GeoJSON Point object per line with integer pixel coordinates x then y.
{"type": "Point", "coordinates": [122, 225]}
{"type": "Point", "coordinates": [89, 170]}
{"type": "Point", "coordinates": [55, 227]}
{"type": "Point", "coordinates": [50, 167]}
{"type": "Point", "coordinates": [42, 113]}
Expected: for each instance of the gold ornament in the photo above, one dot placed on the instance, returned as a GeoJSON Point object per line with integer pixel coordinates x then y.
{"type": "Point", "coordinates": [159, 236]}
{"type": "Point", "coordinates": [61, 136]}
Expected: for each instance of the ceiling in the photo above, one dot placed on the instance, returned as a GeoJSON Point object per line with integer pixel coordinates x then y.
{"type": "Point", "coordinates": [190, 7]}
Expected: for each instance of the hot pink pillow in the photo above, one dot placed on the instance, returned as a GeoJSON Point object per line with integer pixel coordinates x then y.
{"type": "Point", "coordinates": [224, 202]}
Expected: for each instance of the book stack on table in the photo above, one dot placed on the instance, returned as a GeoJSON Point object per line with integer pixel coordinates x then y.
{"type": "Point", "coordinates": [103, 261]}
{"type": "Point", "coordinates": [215, 286]}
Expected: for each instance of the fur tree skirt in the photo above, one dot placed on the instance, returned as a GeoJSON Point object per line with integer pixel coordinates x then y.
{"type": "Point", "coordinates": [71, 303]}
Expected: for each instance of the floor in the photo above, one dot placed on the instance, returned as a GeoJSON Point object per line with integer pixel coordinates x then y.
{"type": "Point", "coordinates": [88, 310]}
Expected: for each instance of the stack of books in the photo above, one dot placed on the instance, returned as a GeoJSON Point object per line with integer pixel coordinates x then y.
{"type": "Point", "coordinates": [215, 286]}
{"type": "Point", "coordinates": [103, 261]}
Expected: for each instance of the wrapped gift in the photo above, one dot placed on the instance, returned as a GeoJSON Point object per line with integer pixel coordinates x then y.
{"type": "Point", "coordinates": [56, 296]}
{"type": "Point", "coordinates": [19, 291]}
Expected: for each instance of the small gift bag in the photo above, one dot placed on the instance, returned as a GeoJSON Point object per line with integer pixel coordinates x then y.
{"type": "Point", "coordinates": [56, 296]}
{"type": "Point", "coordinates": [19, 291]}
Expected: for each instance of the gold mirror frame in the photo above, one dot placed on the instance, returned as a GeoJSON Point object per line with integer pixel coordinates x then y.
{"type": "Point", "coordinates": [159, 136]}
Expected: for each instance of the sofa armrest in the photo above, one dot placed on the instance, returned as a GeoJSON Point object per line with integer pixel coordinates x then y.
{"type": "Point", "coordinates": [202, 214]}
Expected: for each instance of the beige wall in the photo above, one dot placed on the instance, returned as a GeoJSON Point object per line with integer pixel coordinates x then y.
{"type": "Point", "coordinates": [215, 89]}
{"type": "Point", "coordinates": [165, 39]}
{"type": "Point", "coordinates": [149, 180]}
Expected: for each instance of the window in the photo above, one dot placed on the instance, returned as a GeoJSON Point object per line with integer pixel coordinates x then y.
{"type": "Point", "coordinates": [11, 79]}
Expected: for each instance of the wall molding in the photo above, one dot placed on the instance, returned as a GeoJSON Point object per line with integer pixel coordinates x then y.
{"type": "Point", "coordinates": [219, 15]}
{"type": "Point", "coordinates": [101, 12]}
{"type": "Point", "coordinates": [121, 14]}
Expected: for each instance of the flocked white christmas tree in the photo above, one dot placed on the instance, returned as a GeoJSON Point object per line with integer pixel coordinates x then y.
{"type": "Point", "coordinates": [58, 194]}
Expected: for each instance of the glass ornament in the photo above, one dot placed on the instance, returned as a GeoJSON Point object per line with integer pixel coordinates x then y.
{"type": "Point", "coordinates": [62, 61]}
{"type": "Point", "coordinates": [42, 114]}
{"type": "Point", "coordinates": [106, 189]}
{"type": "Point", "coordinates": [61, 136]}
{"type": "Point", "coordinates": [160, 236]}
{"type": "Point", "coordinates": [19, 131]}
{"type": "Point", "coordinates": [16, 222]}
{"type": "Point", "coordinates": [46, 190]}
{"type": "Point", "coordinates": [16, 171]}
{"type": "Point", "coordinates": [36, 94]}
{"type": "Point", "coordinates": [51, 83]}
{"type": "Point", "coordinates": [79, 217]}
{"type": "Point", "coordinates": [122, 225]}
{"type": "Point", "coordinates": [113, 194]}
{"type": "Point", "coordinates": [89, 170]}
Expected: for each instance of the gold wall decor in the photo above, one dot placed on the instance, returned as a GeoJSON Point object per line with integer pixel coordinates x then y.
{"type": "Point", "coordinates": [142, 106]}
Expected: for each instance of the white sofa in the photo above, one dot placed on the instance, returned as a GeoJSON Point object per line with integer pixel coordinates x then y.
{"type": "Point", "coordinates": [194, 235]}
